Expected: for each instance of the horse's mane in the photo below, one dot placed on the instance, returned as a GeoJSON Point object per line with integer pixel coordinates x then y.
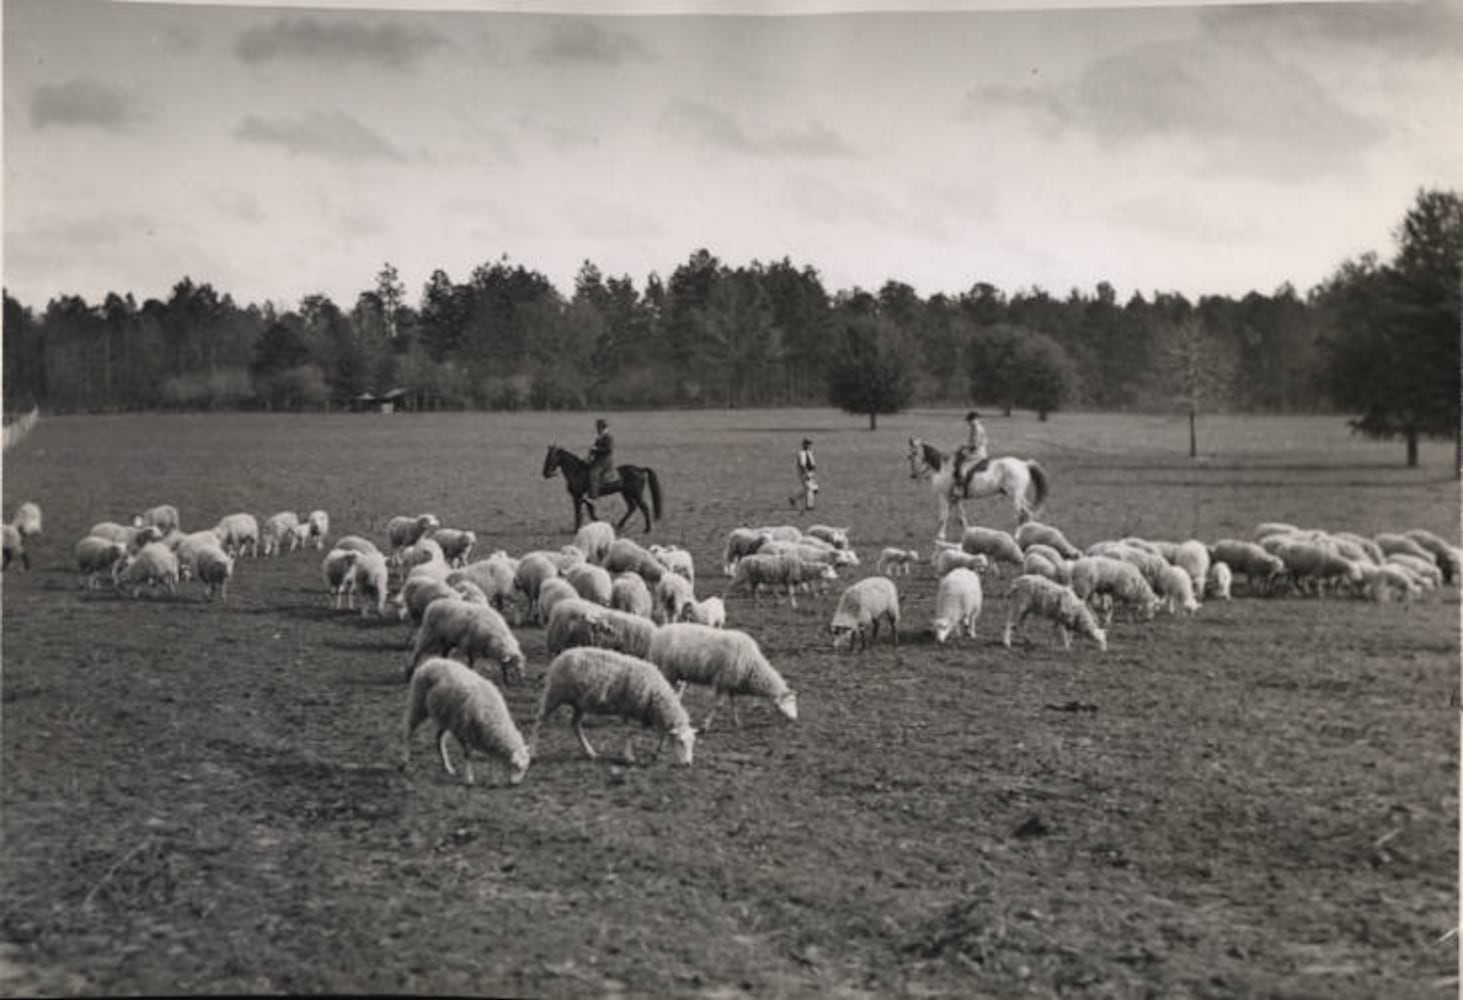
{"type": "Point", "coordinates": [933, 456]}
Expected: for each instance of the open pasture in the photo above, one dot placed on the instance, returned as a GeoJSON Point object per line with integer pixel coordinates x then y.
{"type": "Point", "coordinates": [202, 798]}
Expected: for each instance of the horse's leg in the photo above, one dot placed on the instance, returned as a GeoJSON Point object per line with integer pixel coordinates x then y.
{"type": "Point", "coordinates": [944, 517]}
{"type": "Point", "coordinates": [629, 509]}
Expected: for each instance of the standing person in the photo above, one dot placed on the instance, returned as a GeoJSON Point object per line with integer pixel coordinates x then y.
{"type": "Point", "coordinates": [601, 458]}
{"type": "Point", "coordinates": [807, 483]}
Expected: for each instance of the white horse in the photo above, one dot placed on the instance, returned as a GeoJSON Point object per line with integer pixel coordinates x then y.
{"type": "Point", "coordinates": [1007, 475]}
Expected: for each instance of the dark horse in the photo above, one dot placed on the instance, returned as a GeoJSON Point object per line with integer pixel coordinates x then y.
{"type": "Point", "coordinates": [631, 485]}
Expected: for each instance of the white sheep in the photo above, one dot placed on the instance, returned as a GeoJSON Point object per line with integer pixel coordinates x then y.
{"type": "Point", "coordinates": [533, 570]}
{"type": "Point", "coordinates": [565, 558]}
{"type": "Point", "coordinates": [992, 542]}
{"type": "Point", "coordinates": [164, 517]}
{"type": "Point", "coordinates": [711, 611]}
{"type": "Point", "coordinates": [1034, 532]}
{"type": "Point", "coordinates": [95, 556]}
{"type": "Point", "coordinates": [950, 557]}
{"type": "Point", "coordinates": [554, 590]}
{"type": "Point", "coordinates": [894, 560]}
{"type": "Point", "coordinates": [472, 630]}
{"type": "Point", "coordinates": [624, 555]}
{"type": "Point", "coordinates": [402, 531]}
{"type": "Point", "coordinates": [781, 532]}
{"type": "Point", "coordinates": [237, 532]}
{"type": "Point", "coordinates": [299, 536]}
{"type": "Point", "coordinates": [1176, 589]}
{"type": "Point", "coordinates": [1372, 549]}
{"type": "Point", "coordinates": [1192, 556]}
{"type": "Point", "coordinates": [497, 577]}
{"type": "Point", "coordinates": [671, 597]}
{"type": "Point", "coordinates": [469, 707]}
{"type": "Point", "coordinates": [1444, 554]}
{"type": "Point", "coordinates": [740, 542]}
{"type": "Point", "coordinates": [1220, 580]}
{"type": "Point", "coordinates": [1147, 561]}
{"type": "Point", "coordinates": [319, 522]}
{"type": "Point", "coordinates": [423, 550]}
{"type": "Point", "coordinates": [276, 532]}
{"type": "Point", "coordinates": [675, 559]}
{"type": "Point", "coordinates": [594, 540]}
{"type": "Point", "coordinates": [1267, 528]}
{"type": "Point", "coordinates": [591, 582]}
{"type": "Point", "coordinates": [355, 543]}
{"type": "Point", "coordinates": [1314, 561]}
{"type": "Point", "coordinates": [369, 578]}
{"type": "Point", "coordinates": [1259, 567]}
{"type": "Point", "coordinates": [214, 568]}
{"type": "Point", "coordinates": [456, 544]}
{"type": "Point", "coordinates": [837, 537]}
{"type": "Point", "coordinates": [957, 604]}
{"type": "Point", "coordinates": [155, 565]}
{"type": "Point", "coordinates": [335, 569]}
{"type": "Point", "coordinates": [829, 552]}
{"type": "Point", "coordinates": [13, 546]}
{"type": "Point", "coordinates": [1039, 563]}
{"type": "Point", "coordinates": [27, 520]}
{"type": "Point", "coordinates": [1113, 579]}
{"type": "Point", "coordinates": [725, 660]}
{"type": "Point", "coordinates": [417, 593]}
{"type": "Point", "coordinates": [628, 593]}
{"type": "Point", "coordinates": [134, 538]}
{"type": "Point", "coordinates": [577, 622]}
{"type": "Point", "coordinates": [1037, 595]}
{"type": "Point", "coordinates": [1389, 580]}
{"type": "Point", "coordinates": [1425, 569]}
{"type": "Point", "coordinates": [605, 682]}
{"type": "Point", "coordinates": [861, 608]}
{"type": "Point", "coordinates": [757, 571]}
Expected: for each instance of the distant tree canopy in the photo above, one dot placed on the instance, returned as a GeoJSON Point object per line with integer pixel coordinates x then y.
{"type": "Point", "coordinates": [1378, 340]}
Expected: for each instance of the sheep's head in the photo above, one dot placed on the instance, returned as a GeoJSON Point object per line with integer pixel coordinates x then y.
{"type": "Point", "coordinates": [684, 736]}
{"type": "Point", "coordinates": [513, 664]}
{"type": "Point", "coordinates": [1151, 606]}
{"type": "Point", "coordinates": [518, 765]}
{"type": "Point", "coordinates": [601, 630]}
{"type": "Point", "coordinates": [842, 636]}
{"type": "Point", "coordinates": [827, 572]}
{"type": "Point", "coordinates": [787, 704]}
{"type": "Point", "coordinates": [1100, 634]}
{"type": "Point", "coordinates": [942, 628]}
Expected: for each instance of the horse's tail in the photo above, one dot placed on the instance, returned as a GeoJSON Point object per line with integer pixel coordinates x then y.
{"type": "Point", "coordinates": [1038, 477]}
{"type": "Point", "coordinates": [654, 481]}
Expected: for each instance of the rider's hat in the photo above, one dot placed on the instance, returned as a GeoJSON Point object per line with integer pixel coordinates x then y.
{"type": "Point", "coordinates": [601, 423]}
{"type": "Point", "coordinates": [807, 442]}
{"type": "Point", "coordinates": [972, 415]}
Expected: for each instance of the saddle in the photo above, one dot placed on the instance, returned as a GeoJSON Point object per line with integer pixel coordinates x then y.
{"type": "Point", "coordinates": [969, 474]}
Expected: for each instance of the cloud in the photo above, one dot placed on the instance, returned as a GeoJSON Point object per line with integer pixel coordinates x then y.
{"type": "Point", "coordinates": [602, 220]}
{"type": "Point", "coordinates": [702, 124]}
{"type": "Point", "coordinates": [1404, 29]}
{"type": "Point", "coordinates": [80, 103]}
{"type": "Point", "coordinates": [240, 205]}
{"type": "Point", "coordinates": [334, 135]}
{"type": "Point", "coordinates": [391, 45]}
{"type": "Point", "coordinates": [818, 199]}
{"type": "Point", "coordinates": [579, 41]}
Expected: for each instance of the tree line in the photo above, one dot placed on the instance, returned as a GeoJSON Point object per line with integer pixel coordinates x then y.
{"type": "Point", "coordinates": [766, 334]}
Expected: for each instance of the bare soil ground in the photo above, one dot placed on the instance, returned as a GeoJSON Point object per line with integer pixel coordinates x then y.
{"type": "Point", "coordinates": [203, 798]}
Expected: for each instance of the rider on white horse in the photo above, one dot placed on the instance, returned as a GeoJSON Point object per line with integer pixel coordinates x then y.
{"type": "Point", "coordinates": [974, 455]}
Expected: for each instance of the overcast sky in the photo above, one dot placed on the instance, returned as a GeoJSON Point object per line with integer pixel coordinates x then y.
{"type": "Point", "coordinates": [278, 151]}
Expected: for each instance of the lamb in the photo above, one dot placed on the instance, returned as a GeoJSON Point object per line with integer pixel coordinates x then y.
{"type": "Point", "coordinates": [95, 556]}
{"type": "Point", "coordinates": [725, 660]}
{"type": "Point", "coordinates": [368, 576]}
{"type": "Point", "coordinates": [591, 582]}
{"type": "Point", "coordinates": [319, 522]}
{"type": "Point", "coordinates": [954, 558]}
{"type": "Point", "coordinates": [214, 569]}
{"type": "Point", "coordinates": [355, 543]}
{"type": "Point", "coordinates": [335, 568]}
{"type": "Point", "coordinates": [472, 630]}
{"type": "Point", "coordinates": [1034, 532]}
{"type": "Point", "coordinates": [1220, 580]}
{"type": "Point", "coordinates": [577, 622]}
{"type": "Point", "coordinates": [456, 544]}
{"type": "Point", "coordinates": [860, 610]}
{"type": "Point", "coordinates": [1259, 567]}
{"type": "Point", "coordinates": [605, 682]}
{"type": "Point", "coordinates": [1029, 595]}
{"type": "Point", "coordinates": [957, 604]}
{"type": "Point", "coordinates": [672, 596]}
{"type": "Point", "coordinates": [27, 520]}
{"type": "Point", "coordinates": [1176, 589]}
{"type": "Point", "coordinates": [13, 546]}
{"type": "Point", "coordinates": [155, 565]}
{"type": "Point", "coordinates": [237, 532]}
{"type": "Point", "coordinates": [760, 570]}
{"type": "Point", "coordinates": [624, 555]}
{"type": "Point", "coordinates": [1192, 557]}
{"type": "Point", "coordinates": [1109, 578]}
{"type": "Point", "coordinates": [533, 570]}
{"type": "Point", "coordinates": [164, 517]}
{"type": "Point", "coordinates": [836, 537]}
{"type": "Point", "coordinates": [402, 531]}
{"type": "Point", "coordinates": [299, 536]}
{"type": "Point", "coordinates": [711, 611]}
{"type": "Point", "coordinates": [992, 542]}
{"type": "Point", "coordinates": [277, 529]}
{"type": "Point", "coordinates": [594, 540]}
{"type": "Point", "coordinates": [472, 709]}
{"type": "Point", "coordinates": [740, 542]}
{"type": "Point", "coordinates": [896, 561]}
{"type": "Point", "coordinates": [558, 589]}
{"type": "Point", "coordinates": [628, 593]}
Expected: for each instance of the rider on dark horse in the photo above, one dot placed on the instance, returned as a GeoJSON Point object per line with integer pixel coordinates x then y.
{"type": "Point", "coordinates": [601, 459]}
{"type": "Point", "coordinates": [974, 455]}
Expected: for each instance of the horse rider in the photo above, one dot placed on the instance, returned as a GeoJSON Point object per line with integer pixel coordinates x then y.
{"type": "Point", "coordinates": [974, 455]}
{"type": "Point", "coordinates": [808, 485]}
{"type": "Point", "coordinates": [601, 458]}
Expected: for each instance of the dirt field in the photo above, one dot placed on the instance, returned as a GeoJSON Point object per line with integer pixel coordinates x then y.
{"type": "Point", "coordinates": [203, 798]}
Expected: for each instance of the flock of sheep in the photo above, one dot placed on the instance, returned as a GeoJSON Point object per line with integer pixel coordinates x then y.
{"type": "Point", "coordinates": [626, 633]}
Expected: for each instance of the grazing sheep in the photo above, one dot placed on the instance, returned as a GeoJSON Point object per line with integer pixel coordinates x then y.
{"type": "Point", "coordinates": [237, 532]}
{"type": "Point", "coordinates": [826, 554]}
{"type": "Point", "coordinates": [1423, 568]}
{"type": "Point", "coordinates": [402, 531]}
{"type": "Point", "coordinates": [1192, 557]}
{"type": "Point", "coordinates": [533, 570]}
{"type": "Point", "coordinates": [299, 536]}
{"type": "Point", "coordinates": [1259, 567]}
{"type": "Point", "coordinates": [1391, 544]}
{"type": "Point", "coordinates": [1310, 561]}
{"type": "Point", "coordinates": [781, 532]}
{"type": "Point", "coordinates": [355, 543]}
{"type": "Point", "coordinates": [456, 544]}
{"type": "Point", "coordinates": [214, 568]}
{"type": "Point", "coordinates": [725, 660]}
{"type": "Point", "coordinates": [163, 517]}
{"type": "Point", "coordinates": [671, 597]}
{"type": "Point", "coordinates": [1058, 570]}
{"type": "Point", "coordinates": [953, 558]}
{"type": "Point", "coordinates": [594, 540]}
{"type": "Point", "coordinates": [497, 577]}
{"type": "Point", "coordinates": [553, 591]}
{"type": "Point", "coordinates": [577, 622]}
{"type": "Point", "coordinates": [565, 558]}
{"type": "Point", "coordinates": [13, 546]}
{"type": "Point", "coordinates": [417, 593]}
{"type": "Point", "coordinates": [319, 522]}
{"type": "Point", "coordinates": [95, 556]}
{"type": "Point", "coordinates": [473, 630]}
{"type": "Point", "coordinates": [27, 520]}
{"type": "Point", "coordinates": [761, 570]}
{"type": "Point", "coordinates": [1220, 580]}
{"type": "Point", "coordinates": [957, 604]}
{"type": "Point", "coordinates": [861, 608]}
{"type": "Point", "coordinates": [1034, 533]}
{"type": "Point", "coordinates": [628, 593]}
{"type": "Point", "coordinates": [1267, 528]}
{"type": "Point", "coordinates": [992, 542]}
{"type": "Point", "coordinates": [423, 550]}
{"type": "Point", "coordinates": [1037, 595]}
{"type": "Point", "coordinates": [1149, 563]}
{"type": "Point", "coordinates": [1176, 589]}
{"type": "Point", "coordinates": [591, 582]}
{"type": "Point", "coordinates": [369, 577]}
{"type": "Point", "coordinates": [836, 537]}
{"type": "Point", "coordinates": [1372, 549]}
{"type": "Point", "coordinates": [1387, 581]}
{"type": "Point", "coordinates": [1113, 579]}
{"type": "Point", "coordinates": [276, 531]}
{"type": "Point", "coordinates": [335, 569]}
{"type": "Point", "coordinates": [711, 611]}
{"type": "Point", "coordinates": [155, 565]}
{"type": "Point", "coordinates": [134, 538]}
{"type": "Point", "coordinates": [606, 682]}
{"type": "Point", "coordinates": [1444, 554]}
{"type": "Point", "coordinates": [625, 555]}
{"type": "Point", "coordinates": [675, 559]}
{"type": "Point", "coordinates": [470, 707]}
{"type": "Point", "coordinates": [896, 561]}
{"type": "Point", "coordinates": [740, 542]}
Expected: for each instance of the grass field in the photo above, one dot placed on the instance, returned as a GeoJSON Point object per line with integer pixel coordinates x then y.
{"type": "Point", "coordinates": [1258, 801]}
